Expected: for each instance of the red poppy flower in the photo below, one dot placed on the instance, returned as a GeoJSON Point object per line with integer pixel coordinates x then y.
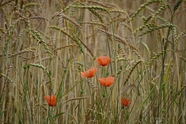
{"type": "Point", "coordinates": [89, 73]}
{"type": "Point", "coordinates": [106, 81]}
{"type": "Point", "coordinates": [103, 60]}
{"type": "Point", "coordinates": [51, 100]}
{"type": "Point", "coordinates": [125, 102]}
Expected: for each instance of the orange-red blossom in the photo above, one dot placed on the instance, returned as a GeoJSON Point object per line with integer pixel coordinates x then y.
{"type": "Point", "coordinates": [106, 81]}
{"type": "Point", "coordinates": [125, 102]}
{"type": "Point", "coordinates": [51, 100]}
{"type": "Point", "coordinates": [89, 73]}
{"type": "Point", "coordinates": [103, 60]}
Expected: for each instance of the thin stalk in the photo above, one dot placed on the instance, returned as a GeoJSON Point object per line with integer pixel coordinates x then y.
{"type": "Point", "coordinates": [163, 65]}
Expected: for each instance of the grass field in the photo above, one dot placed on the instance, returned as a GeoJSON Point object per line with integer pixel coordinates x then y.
{"type": "Point", "coordinates": [46, 45]}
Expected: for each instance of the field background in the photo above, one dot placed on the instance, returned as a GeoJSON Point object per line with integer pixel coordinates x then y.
{"type": "Point", "coordinates": [45, 44]}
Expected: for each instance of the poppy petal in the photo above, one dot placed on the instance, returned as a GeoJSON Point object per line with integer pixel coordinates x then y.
{"type": "Point", "coordinates": [89, 73]}
{"type": "Point", "coordinates": [106, 81]}
{"type": "Point", "coordinates": [102, 81]}
{"type": "Point", "coordinates": [106, 60]}
{"type": "Point", "coordinates": [51, 100]}
{"type": "Point", "coordinates": [83, 74]}
{"type": "Point", "coordinates": [125, 102]}
{"type": "Point", "coordinates": [92, 72]}
{"type": "Point", "coordinates": [110, 80]}
{"type": "Point", "coordinates": [47, 98]}
{"type": "Point", "coordinates": [103, 60]}
{"type": "Point", "coordinates": [98, 60]}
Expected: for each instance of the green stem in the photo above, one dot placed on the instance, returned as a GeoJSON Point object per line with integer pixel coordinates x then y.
{"type": "Point", "coordinates": [163, 65]}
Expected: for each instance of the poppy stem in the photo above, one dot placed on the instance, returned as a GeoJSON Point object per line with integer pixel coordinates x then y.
{"type": "Point", "coordinates": [102, 70]}
{"type": "Point", "coordinates": [50, 82]}
{"type": "Point", "coordinates": [105, 91]}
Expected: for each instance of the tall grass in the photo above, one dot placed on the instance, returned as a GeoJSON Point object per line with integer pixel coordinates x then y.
{"type": "Point", "coordinates": [46, 44]}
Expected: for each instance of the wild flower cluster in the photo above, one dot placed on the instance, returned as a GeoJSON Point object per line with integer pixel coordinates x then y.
{"type": "Point", "coordinates": [90, 73]}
